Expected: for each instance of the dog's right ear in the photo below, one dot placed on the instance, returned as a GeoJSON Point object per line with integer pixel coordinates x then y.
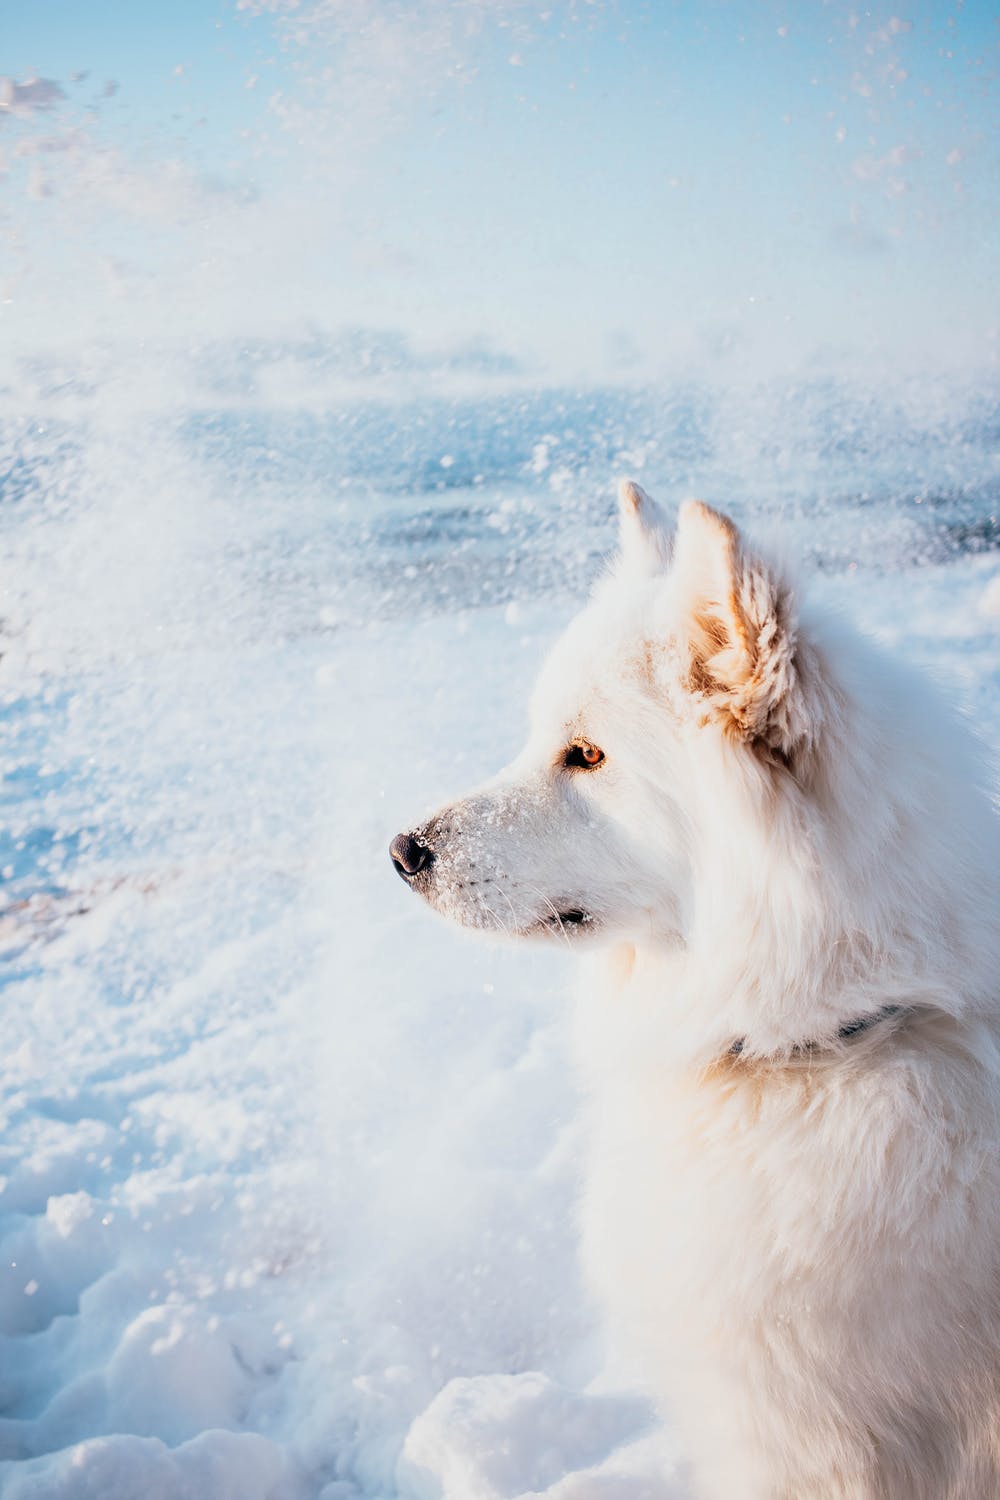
{"type": "Point", "coordinates": [738, 624]}
{"type": "Point", "coordinates": [645, 532]}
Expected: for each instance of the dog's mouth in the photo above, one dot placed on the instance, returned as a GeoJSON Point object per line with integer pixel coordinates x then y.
{"type": "Point", "coordinates": [574, 917]}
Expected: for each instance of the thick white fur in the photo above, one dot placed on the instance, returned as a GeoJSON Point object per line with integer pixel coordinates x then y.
{"type": "Point", "coordinates": [799, 1241]}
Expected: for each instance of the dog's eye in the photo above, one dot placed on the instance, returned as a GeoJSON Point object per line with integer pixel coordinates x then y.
{"type": "Point", "coordinates": [583, 755]}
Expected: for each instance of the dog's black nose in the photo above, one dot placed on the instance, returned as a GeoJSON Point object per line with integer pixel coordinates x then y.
{"type": "Point", "coordinates": [409, 856]}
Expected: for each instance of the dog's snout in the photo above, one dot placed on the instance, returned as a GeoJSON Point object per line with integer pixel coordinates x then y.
{"type": "Point", "coordinates": [409, 855]}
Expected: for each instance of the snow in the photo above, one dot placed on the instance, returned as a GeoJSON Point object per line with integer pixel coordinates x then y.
{"type": "Point", "coordinates": [288, 1167]}
{"type": "Point", "coordinates": [562, 1440]}
{"type": "Point", "coordinates": [224, 1465]}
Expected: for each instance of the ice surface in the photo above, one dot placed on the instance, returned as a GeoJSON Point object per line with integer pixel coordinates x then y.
{"type": "Point", "coordinates": [288, 1167]}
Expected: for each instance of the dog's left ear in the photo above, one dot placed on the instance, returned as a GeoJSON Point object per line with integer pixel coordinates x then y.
{"type": "Point", "coordinates": [738, 629]}
{"type": "Point", "coordinates": [644, 531]}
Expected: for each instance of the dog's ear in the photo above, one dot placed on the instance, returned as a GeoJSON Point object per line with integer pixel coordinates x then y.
{"type": "Point", "coordinates": [738, 632]}
{"type": "Point", "coordinates": [644, 530]}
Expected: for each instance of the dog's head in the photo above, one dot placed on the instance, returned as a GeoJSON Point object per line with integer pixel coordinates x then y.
{"type": "Point", "coordinates": [686, 654]}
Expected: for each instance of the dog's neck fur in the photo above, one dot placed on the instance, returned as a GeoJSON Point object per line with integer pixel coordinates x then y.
{"type": "Point", "coordinates": [845, 1033]}
{"type": "Point", "coordinates": [807, 919]}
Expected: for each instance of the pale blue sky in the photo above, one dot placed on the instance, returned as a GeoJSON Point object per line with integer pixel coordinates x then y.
{"type": "Point", "coordinates": [598, 189]}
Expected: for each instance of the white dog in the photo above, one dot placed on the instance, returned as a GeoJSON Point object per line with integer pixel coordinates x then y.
{"type": "Point", "coordinates": [777, 855]}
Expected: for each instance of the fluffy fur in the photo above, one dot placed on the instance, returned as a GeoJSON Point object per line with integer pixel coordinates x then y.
{"type": "Point", "coordinates": [796, 1231]}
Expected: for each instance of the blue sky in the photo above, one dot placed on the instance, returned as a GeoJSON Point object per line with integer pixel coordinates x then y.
{"type": "Point", "coordinates": [599, 190]}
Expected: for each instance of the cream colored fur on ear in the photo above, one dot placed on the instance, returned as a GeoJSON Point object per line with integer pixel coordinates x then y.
{"type": "Point", "coordinates": [738, 619]}
{"type": "Point", "coordinates": [644, 531]}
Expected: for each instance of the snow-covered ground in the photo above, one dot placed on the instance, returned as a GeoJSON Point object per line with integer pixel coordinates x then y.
{"type": "Point", "coordinates": [288, 1167]}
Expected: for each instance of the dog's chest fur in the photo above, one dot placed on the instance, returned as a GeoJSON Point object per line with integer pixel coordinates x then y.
{"type": "Point", "coordinates": [762, 1235]}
